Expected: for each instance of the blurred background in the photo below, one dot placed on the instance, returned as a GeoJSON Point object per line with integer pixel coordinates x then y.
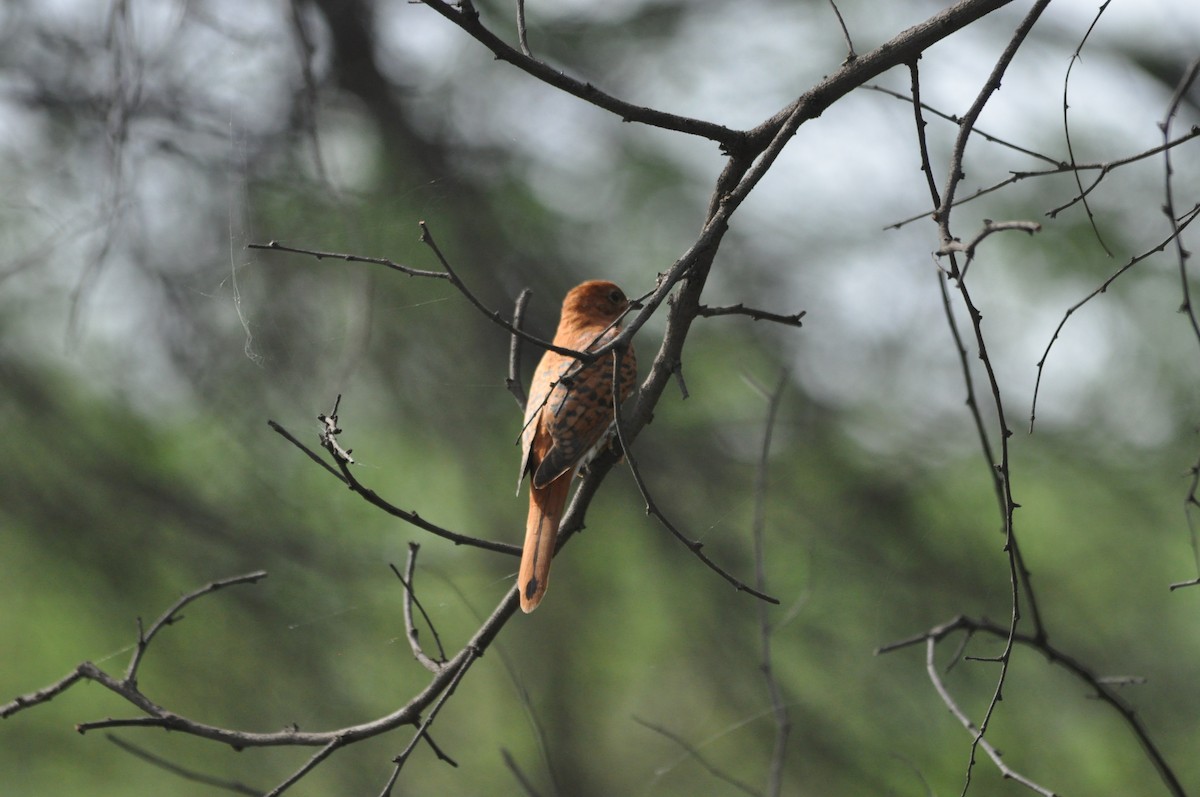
{"type": "Point", "coordinates": [143, 145]}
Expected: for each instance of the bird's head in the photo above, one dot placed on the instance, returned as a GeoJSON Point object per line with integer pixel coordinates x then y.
{"type": "Point", "coordinates": [598, 301]}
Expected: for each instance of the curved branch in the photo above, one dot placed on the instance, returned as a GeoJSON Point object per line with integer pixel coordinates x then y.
{"type": "Point", "coordinates": [695, 546]}
{"type": "Point", "coordinates": [342, 458]}
{"type": "Point", "coordinates": [466, 17]}
{"type": "Point", "coordinates": [1178, 227]}
{"type": "Point", "coordinates": [1102, 687]}
{"type": "Point", "coordinates": [966, 125]}
{"type": "Point", "coordinates": [1082, 196]}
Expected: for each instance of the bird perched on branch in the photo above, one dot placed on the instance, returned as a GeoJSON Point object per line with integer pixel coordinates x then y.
{"type": "Point", "coordinates": [567, 415]}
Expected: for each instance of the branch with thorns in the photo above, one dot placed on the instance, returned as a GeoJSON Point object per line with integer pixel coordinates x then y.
{"type": "Point", "coordinates": [1103, 688]}
{"type": "Point", "coordinates": [999, 470]}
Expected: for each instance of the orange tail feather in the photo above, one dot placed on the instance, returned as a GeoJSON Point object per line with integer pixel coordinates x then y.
{"type": "Point", "coordinates": [546, 505]}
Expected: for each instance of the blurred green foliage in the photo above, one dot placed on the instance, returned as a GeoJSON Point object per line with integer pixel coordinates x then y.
{"type": "Point", "coordinates": [139, 466]}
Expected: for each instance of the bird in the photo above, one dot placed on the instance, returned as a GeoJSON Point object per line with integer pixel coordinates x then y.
{"type": "Point", "coordinates": [567, 417]}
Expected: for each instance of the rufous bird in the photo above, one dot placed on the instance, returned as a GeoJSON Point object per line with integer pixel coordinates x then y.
{"type": "Point", "coordinates": [567, 418]}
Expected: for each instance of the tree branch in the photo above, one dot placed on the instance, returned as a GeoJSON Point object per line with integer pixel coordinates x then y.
{"type": "Point", "coordinates": [513, 381]}
{"type": "Point", "coordinates": [466, 17]}
{"type": "Point", "coordinates": [695, 546]}
{"type": "Point", "coordinates": [792, 320]}
{"type": "Point", "coordinates": [1102, 687]}
{"type": "Point", "coordinates": [410, 628]}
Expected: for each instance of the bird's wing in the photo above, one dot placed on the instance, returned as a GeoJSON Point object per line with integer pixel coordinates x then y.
{"type": "Point", "coordinates": [577, 412]}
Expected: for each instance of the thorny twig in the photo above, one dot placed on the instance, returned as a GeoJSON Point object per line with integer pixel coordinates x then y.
{"type": "Point", "coordinates": [792, 319]}
{"type": "Point", "coordinates": [1067, 129]}
{"type": "Point", "coordinates": [1001, 474]}
{"type": "Point", "coordinates": [1181, 257]}
{"type": "Point", "coordinates": [1103, 689]}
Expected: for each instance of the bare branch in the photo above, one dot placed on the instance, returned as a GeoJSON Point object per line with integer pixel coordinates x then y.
{"type": "Point", "coordinates": [522, 31]}
{"type": "Point", "coordinates": [1000, 471]}
{"type": "Point", "coordinates": [692, 752]}
{"type": "Point", "coordinates": [312, 763]}
{"type": "Point", "coordinates": [427, 239]}
{"type": "Point", "coordinates": [977, 732]}
{"type": "Point", "coordinates": [1057, 164]}
{"type": "Point", "coordinates": [187, 774]}
{"type": "Point", "coordinates": [1104, 691]}
{"type": "Point", "coordinates": [328, 741]}
{"type": "Point", "coordinates": [313, 455]}
{"type": "Point", "coordinates": [1178, 227]}
{"type": "Point", "coordinates": [779, 712]}
{"type": "Point", "coordinates": [850, 54]}
{"type": "Point", "coordinates": [989, 227]}
{"type": "Point", "coordinates": [1103, 168]}
{"type": "Point", "coordinates": [171, 615]}
{"type": "Point", "coordinates": [792, 320]}
{"type": "Point", "coordinates": [466, 17]}
{"type": "Point", "coordinates": [448, 274]}
{"type": "Point", "coordinates": [967, 123]}
{"type": "Point", "coordinates": [513, 381]}
{"type": "Point", "coordinates": [1181, 257]}
{"type": "Point", "coordinates": [43, 695]}
{"type": "Point", "coordinates": [423, 729]}
{"type": "Point", "coordinates": [378, 261]}
{"type": "Point", "coordinates": [410, 628]}
{"type": "Point", "coordinates": [342, 458]}
{"type": "Point", "coordinates": [1067, 131]}
{"type": "Point", "coordinates": [695, 546]}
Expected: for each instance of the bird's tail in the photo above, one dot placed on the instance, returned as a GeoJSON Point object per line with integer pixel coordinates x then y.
{"type": "Point", "coordinates": [546, 505]}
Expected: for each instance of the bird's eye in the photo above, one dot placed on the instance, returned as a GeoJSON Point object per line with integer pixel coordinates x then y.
{"type": "Point", "coordinates": [616, 297]}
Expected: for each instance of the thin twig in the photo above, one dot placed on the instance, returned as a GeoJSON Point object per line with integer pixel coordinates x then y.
{"type": "Point", "coordinates": [783, 724]}
{"type": "Point", "coordinates": [466, 17]}
{"type": "Point", "coordinates": [308, 766]}
{"type": "Point", "coordinates": [423, 729]}
{"type": "Point", "coordinates": [448, 274]}
{"type": "Point", "coordinates": [522, 31]}
{"type": "Point", "coordinates": [349, 258]}
{"type": "Point", "coordinates": [513, 381]}
{"type": "Point", "coordinates": [171, 616]}
{"type": "Point", "coordinates": [998, 476]}
{"type": "Point", "coordinates": [1067, 130]}
{"type": "Point", "coordinates": [511, 763]}
{"type": "Point", "coordinates": [1179, 226]}
{"type": "Point", "coordinates": [695, 546]}
{"type": "Point", "coordinates": [410, 627]}
{"type": "Point", "coordinates": [1103, 168]}
{"type": "Point", "coordinates": [850, 54]}
{"type": "Point", "coordinates": [313, 455]}
{"type": "Point", "coordinates": [343, 460]}
{"type": "Point", "coordinates": [1104, 691]}
{"type": "Point", "coordinates": [1018, 574]}
{"type": "Point", "coordinates": [966, 124]}
{"type": "Point", "coordinates": [187, 774]}
{"type": "Point", "coordinates": [976, 731]}
{"type": "Point", "coordinates": [691, 750]}
{"type": "Point", "coordinates": [792, 319]}
{"type": "Point", "coordinates": [416, 520]}
{"type": "Point", "coordinates": [43, 695]}
{"type": "Point", "coordinates": [989, 227]}
{"type": "Point", "coordinates": [1181, 256]}
{"type": "Point", "coordinates": [494, 315]}
{"type": "Point", "coordinates": [977, 131]}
